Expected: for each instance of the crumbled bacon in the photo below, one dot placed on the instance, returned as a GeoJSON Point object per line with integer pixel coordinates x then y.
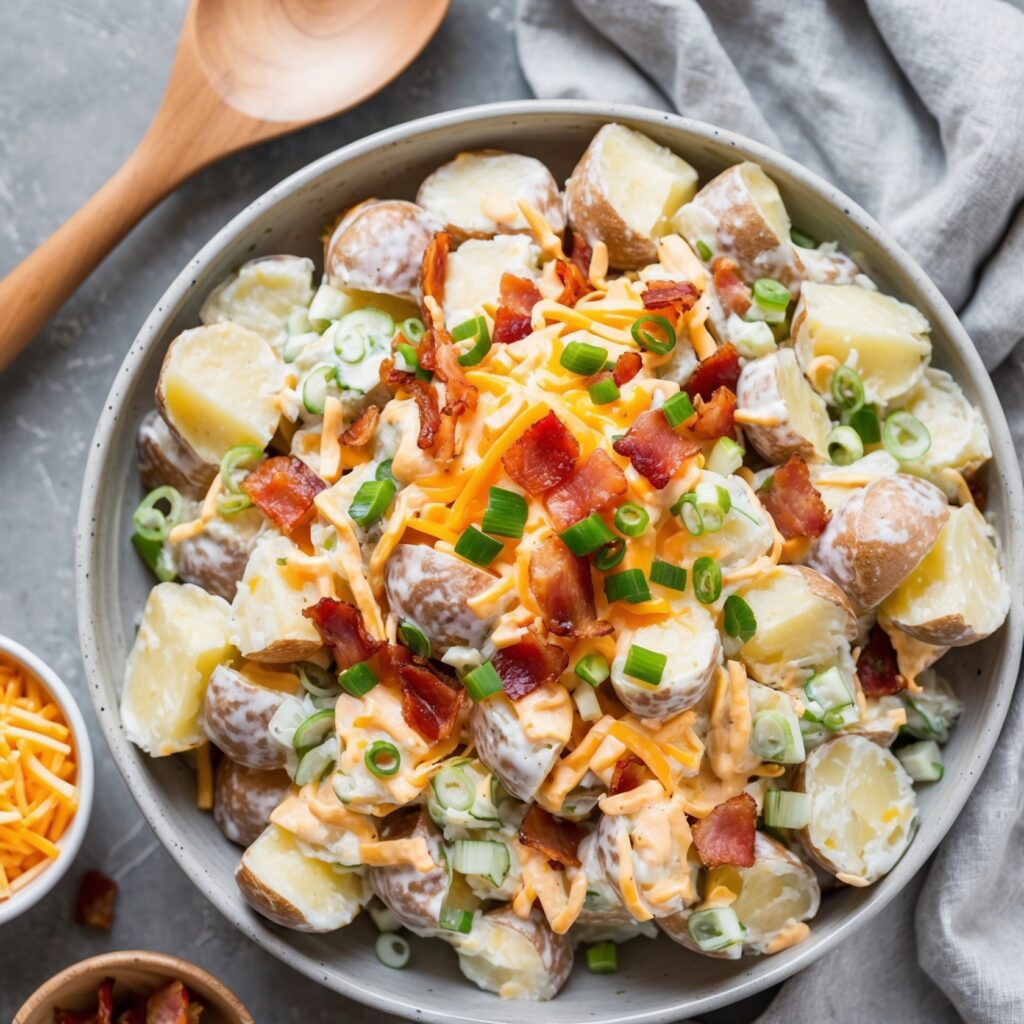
{"type": "Point", "coordinates": [590, 487]}
{"type": "Point", "coordinates": [726, 835]}
{"type": "Point", "coordinates": [422, 394]}
{"type": "Point", "coordinates": [362, 430]}
{"type": "Point", "coordinates": [543, 457]}
{"type": "Point", "coordinates": [715, 418]}
{"type": "Point", "coordinates": [793, 502]}
{"type": "Point", "coordinates": [720, 369]}
{"type": "Point", "coordinates": [283, 489]}
{"type": "Point", "coordinates": [733, 294]}
{"type": "Point", "coordinates": [629, 772]}
{"type": "Point", "coordinates": [434, 269]}
{"type": "Point", "coordinates": [341, 628]}
{"type": "Point", "coordinates": [460, 396]}
{"type": "Point", "coordinates": [878, 667]}
{"type": "Point", "coordinates": [654, 448]}
{"type": "Point", "coordinates": [679, 296]}
{"type": "Point", "coordinates": [574, 283]}
{"type": "Point", "coordinates": [580, 253]}
{"type": "Point", "coordinates": [512, 319]}
{"type": "Point", "coordinates": [509, 326]}
{"type": "Point", "coordinates": [627, 366]}
{"type": "Point", "coordinates": [426, 348]}
{"type": "Point", "coordinates": [556, 838]}
{"type": "Point", "coordinates": [430, 704]}
{"type": "Point", "coordinates": [564, 590]}
{"type": "Point", "coordinates": [94, 905]}
{"type": "Point", "coordinates": [168, 1005]}
{"type": "Point", "coordinates": [105, 1002]}
{"type": "Point", "coordinates": [528, 664]}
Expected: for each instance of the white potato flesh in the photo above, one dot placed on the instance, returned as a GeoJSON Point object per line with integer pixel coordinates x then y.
{"type": "Point", "coordinates": [216, 389]}
{"type": "Point", "coordinates": [887, 338]}
{"type": "Point", "coordinates": [957, 594]}
{"type": "Point", "coordinates": [880, 719]}
{"type": "Point", "coordinates": [690, 641]}
{"type": "Point", "coordinates": [262, 295]}
{"type": "Point", "coordinates": [267, 623]}
{"type": "Point", "coordinates": [863, 808]}
{"type": "Point", "coordinates": [477, 194]}
{"type": "Point", "coordinates": [795, 417]}
{"type": "Point", "coordinates": [183, 636]}
{"type": "Point", "coordinates": [837, 484]}
{"type": "Point", "coordinates": [300, 892]}
{"type": "Point", "coordinates": [475, 270]}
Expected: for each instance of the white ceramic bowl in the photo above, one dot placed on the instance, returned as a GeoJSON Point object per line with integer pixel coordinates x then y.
{"type": "Point", "coordinates": [656, 981]}
{"type": "Point", "coordinates": [71, 841]}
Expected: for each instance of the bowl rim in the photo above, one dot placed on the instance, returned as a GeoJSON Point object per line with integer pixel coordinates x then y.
{"type": "Point", "coordinates": [768, 971]}
{"type": "Point", "coordinates": [71, 842]}
{"type": "Point", "coordinates": [173, 967]}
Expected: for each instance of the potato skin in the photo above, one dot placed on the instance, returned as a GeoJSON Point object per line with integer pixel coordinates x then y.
{"type": "Point", "coordinates": [216, 558]}
{"type": "Point", "coordinates": [243, 799]}
{"type": "Point", "coordinates": [166, 458]}
{"type": "Point", "coordinates": [825, 588]}
{"type": "Point", "coordinates": [236, 714]}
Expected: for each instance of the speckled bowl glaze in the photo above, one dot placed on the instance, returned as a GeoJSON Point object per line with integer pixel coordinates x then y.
{"type": "Point", "coordinates": [656, 982]}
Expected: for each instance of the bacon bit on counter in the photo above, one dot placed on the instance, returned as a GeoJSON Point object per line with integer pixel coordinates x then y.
{"type": "Point", "coordinates": [422, 394]}
{"type": "Point", "coordinates": [878, 666]}
{"type": "Point", "coordinates": [556, 838]}
{"type": "Point", "coordinates": [529, 664]}
{"type": "Point", "coordinates": [580, 253]}
{"type": "Point", "coordinates": [543, 457]}
{"type": "Point", "coordinates": [715, 418]}
{"type": "Point", "coordinates": [363, 429]}
{"type": "Point", "coordinates": [726, 835]}
{"type": "Point", "coordinates": [720, 369]}
{"type": "Point", "coordinates": [590, 487]}
{"type": "Point", "coordinates": [629, 772]}
{"type": "Point", "coordinates": [430, 705]}
{"type": "Point", "coordinates": [564, 590]}
{"type": "Point", "coordinates": [627, 366]}
{"type": "Point", "coordinates": [654, 448]}
{"type": "Point", "coordinates": [94, 905]}
{"type": "Point", "coordinates": [434, 269]}
{"type": "Point", "coordinates": [680, 296]}
{"type": "Point", "coordinates": [341, 628]}
{"type": "Point", "coordinates": [793, 501]}
{"type": "Point", "coordinates": [733, 294]}
{"type": "Point", "coordinates": [283, 489]}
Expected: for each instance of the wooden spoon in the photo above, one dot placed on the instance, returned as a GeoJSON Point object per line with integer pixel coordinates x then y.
{"type": "Point", "coordinates": [244, 72]}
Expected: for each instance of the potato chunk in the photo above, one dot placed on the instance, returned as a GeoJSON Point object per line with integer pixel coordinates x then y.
{"type": "Point", "coordinates": [183, 636]}
{"type": "Point", "coordinates": [216, 389]}
{"type": "Point", "coordinates": [475, 270]}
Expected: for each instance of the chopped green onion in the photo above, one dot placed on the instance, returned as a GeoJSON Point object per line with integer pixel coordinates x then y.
{"type": "Point", "coordinates": [413, 329]}
{"type": "Point", "coordinates": [579, 357]}
{"type": "Point", "coordinates": [847, 389]}
{"type": "Point", "coordinates": [770, 293]}
{"type": "Point", "coordinates": [384, 918]}
{"type": "Point", "coordinates": [844, 445]}
{"type": "Point", "coordinates": [826, 691]}
{"type": "Point", "coordinates": [482, 681]}
{"type": "Point", "coordinates": [646, 665]}
{"type": "Point", "coordinates": [725, 458]}
{"type": "Point", "coordinates": [775, 736]}
{"type": "Point", "coordinates": [316, 680]}
{"type": "Point", "coordinates": [241, 456]}
{"type": "Point", "coordinates": [371, 501]}
{"type": "Point", "coordinates": [475, 329]}
{"type": "Point", "coordinates": [477, 547]}
{"type": "Point", "coordinates": [865, 422]}
{"type": "Point", "coordinates": [604, 392]}
{"type": "Point", "coordinates": [314, 387]}
{"type": "Point", "coordinates": [707, 580]}
{"type": "Point", "coordinates": [360, 330]}
{"type": "Point", "coordinates": [392, 950]}
{"type": "Point", "coordinates": [922, 761]}
{"type": "Point", "coordinates": [665, 574]}
{"type": "Point", "coordinates": [840, 718]}
{"type": "Point", "coordinates": [232, 504]}
{"type": "Point", "coordinates": [414, 638]}
{"type": "Point", "coordinates": [157, 556]}
{"type": "Point", "coordinates": [813, 733]}
{"type": "Point", "coordinates": [687, 510]}
{"type": "Point", "coordinates": [586, 703]}
{"type": "Point", "coordinates": [453, 789]}
{"type": "Point", "coordinates": [905, 437]}
{"type": "Point", "coordinates": [740, 620]}
{"type": "Point", "coordinates": [593, 668]}
{"type": "Point", "coordinates": [313, 730]}
{"type": "Point", "coordinates": [587, 535]}
{"type": "Point", "coordinates": [410, 357]}
{"type": "Point", "coordinates": [603, 958]}
{"type": "Point", "coordinates": [150, 521]}
{"type": "Point", "coordinates": [714, 503]}
{"type": "Point", "coordinates": [631, 519]}
{"type": "Point", "coordinates": [804, 241]}
{"type": "Point", "coordinates": [382, 759]}
{"type": "Point", "coordinates": [358, 679]}
{"type": "Point", "coordinates": [714, 930]}
{"type": "Point", "coordinates": [628, 586]}
{"type": "Point", "coordinates": [506, 513]}
{"type": "Point", "coordinates": [610, 555]}
{"type": "Point", "coordinates": [677, 409]}
{"type": "Point", "coordinates": [703, 250]}
{"type": "Point", "coordinates": [454, 919]}
{"type": "Point", "coordinates": [315, 762]}
{"type": "Point", "coordinates": [651, 342]}
{"type": "Point", "coordinates": [485, 857]}
{"type": "Point", "coordinates": [785, 809]}
{"type": "Point", "coordinates": [328, 304]}
{"type": "Point", "coordinates": [383, 472]}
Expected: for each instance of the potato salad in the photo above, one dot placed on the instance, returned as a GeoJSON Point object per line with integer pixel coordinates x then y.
{"type": "Point", "coordinates": [555, 567]}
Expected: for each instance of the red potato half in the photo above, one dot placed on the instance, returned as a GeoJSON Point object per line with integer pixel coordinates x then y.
{"type": "Point", "coordinates": [244, 798]}
{"type": "Point", "coordinates": [164, 458]}
{"type": "Point", "coordinates": [215, 559]}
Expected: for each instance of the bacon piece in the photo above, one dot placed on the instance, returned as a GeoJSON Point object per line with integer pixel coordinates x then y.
{"type": "Point", "coordinates": [580, 253]}
{"type": "Point", "coordinates": [793, 501]}
{"type": "Point", "coordinates": [510, 327]}
{"type": "Point", "coordinates": [425, 350]}
{"type": "Point", "coordinates": [73, 1017]}
{"type": "Point", "coordinates": [94, 905]}
{"type": "Point", "coordinates": [430, 705]}
{"type": "Point", "coordinates": [556, 838]}
{"type": "Point", "coordinates": [529, 664]}
{"type": "Point", "coordinates": [590, 487]}
{"type": "Point", "coordinates": [574, 283]}
{"type": "Point", "coordinates": [434, 269]}
{"type": "Point", "coordinates": [629, 772]}
{"type": "Point", "coordinates": [362, 430]}
{"type": "Point", "coordinates": [543, 457]}
{"type": "Point", "coordinates": [422, 394]}
{"type": "Point", "coordinates": [720, 369]}
{"type": "Point", "coordinates": [512, 318]}
{"type": "Point", "coordinates": [679, 296]}
{"type": "Point", "coordinates": [716, 418]}
{"type": "Point", "coordinates": [460, 396]}
{"type": "Point", "coordinates": [341, 628]}
{"type": "Point", "coordinates": [726, 835]}
{"type": "Point", "coordinates": [878, 667]}
{"type": "Point", "coordinates": [627, 366]}
{"type": "Point", "coordinates": [654, 448]}
{"type": "Point", "coordinates": [564, 590]}
{"type": "Point", "coordinates": [168, 1005]}
{"type": "Point", "coordinates": [105, 1002]}
{"type": "Point", "coordinates": [733, 294]}
{"type": "Point", "coordinates": [283, 489]}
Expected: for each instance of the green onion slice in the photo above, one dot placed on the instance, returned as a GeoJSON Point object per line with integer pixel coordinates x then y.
{"type": "Point", "coordinates": [313, 730]}
{"type": "Point", "coordinates": [152, 522]}
{"type": "Point", "coordinates": [804, 241]}
{"type": "Point", "coordinates": [506, 513]}
{"type": "Point", "coordinates": [477, 547]}
{"type": "Point", "coordinates": [647, 340]}
{"type": "Point", "coordinates": [157, 556]}
{"type": "Point", "coordinates": [358, 679]}
{"type": "Point", "coordinates": [603, 958]}
{"type": "Point", "coordinates": [687, 509]}
{"type": "Point", "coordinates": [714, 504]}
{"type": "Point", "coordinates": [714, 930]}
{"type": "Point", "coordinates": [905, 436]}
{"type": "Point", "coordinates": [383, 472]}
{"type": "Point", "coordinates": [482, 682]}
{"type": "Point", "coordinates": [725, 458]}
{"type": "Point", "coordinates": [232, 504]}
{"type": "Point", "coordinates": [740, 621]}
{"type": "Point", "coordinates": [776, 737]}
{"type": "Point", "coordinates": [646, 665]}
{"type": "Point", "coordinates": [865, 422]}
{"type": "Point", "coordinates": [413, 329]}
{"type": "Point", "coordinates": [414, 638]}
{"type": "Point", "coordinates": [392, 950]}
{"type": "Point", "coordinates": [630, 586]}
{"type": "Point", "coordinates": [454, 919]}
{"type": "Point", "coordinates": [844, 445]}
{"type": "Point", "coordinates": [785, 809]}
{"type": "Point", "coordinates": [485, 857]}
{"type": "Point", "coordinates": [631, 519]}
{"type": "Point", "coordinates": [922, 761]}
{"type": "Point", "coordinates": [703, 250]}
{"type": "Point", "coordinates": [316, 762]}
{"type": "Point", "coordinates": [579, 357]}
{"type": "Point", "coordinates": [314, 387]}
{"type": "Point", "coordinates": [371, 501]}
{"type": "Point", "coordinates": [241, 456]}
{"type": "Point", "coordinates": [678, 409]}
{"type": "Point", "coordinates": [828, 690]}
{"type": "Point", "coordinates": [453, 789]}
{"type": "Point", "coordinates": [316, 680]}
{"type": "Point", "coordinates": [847, 389]}
{"type": "Point", "coordinates": [475, 329]}
{"type": "Point", "coordinates": [593, 668]}
{"type": "Point", "coordinates": [707, 580]}
{"type": "Point", "coordinates": [610, 555]}
{"type": "Point", "coordinates": [604, 392]}
{"type": "Point", "coordinates": [587, 535]}
{"type": "Point", "coordinates": [770, 293]}
{"type": "Point", "coordinates": [665, 574]}
{"type": "Point", "coordinates": [382, 759]}
{"type": "Point", "coordinates": [840, 718]}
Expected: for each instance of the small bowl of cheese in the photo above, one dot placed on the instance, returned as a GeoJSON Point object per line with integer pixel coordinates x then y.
{"type": "Point", "coordinates": [46, 779]}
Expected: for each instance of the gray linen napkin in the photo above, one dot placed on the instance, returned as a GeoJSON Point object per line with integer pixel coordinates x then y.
{"type": "Point", "coordinates": [915, 108]}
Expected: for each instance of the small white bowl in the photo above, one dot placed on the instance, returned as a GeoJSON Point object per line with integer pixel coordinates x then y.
{"type": "Point", "coordinates": [71, 841]}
